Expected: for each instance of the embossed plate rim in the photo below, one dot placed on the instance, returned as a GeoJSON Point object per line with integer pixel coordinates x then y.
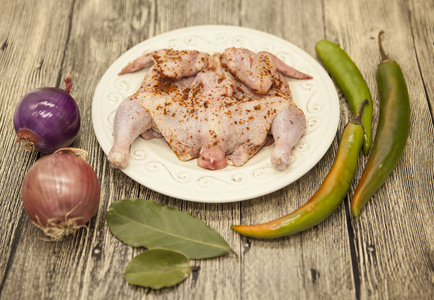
{"type": "Point", "coordinates": [152, 163]}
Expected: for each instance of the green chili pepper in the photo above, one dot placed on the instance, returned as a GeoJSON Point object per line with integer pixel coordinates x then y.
{"type": "Point", "coordinates": [328, 197]}
{"type": "Point", "coordinates": [350, 81]}
{"type": "Point", "coordinates": [392, 130]}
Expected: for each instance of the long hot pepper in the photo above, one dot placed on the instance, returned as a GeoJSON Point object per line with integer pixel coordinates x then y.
{"type": "Point", "coordinates": [350, 81]}
{"type": "Point", "coordinates": [392, 130]}
{"type": "Point", "coordinates": [328, 197]}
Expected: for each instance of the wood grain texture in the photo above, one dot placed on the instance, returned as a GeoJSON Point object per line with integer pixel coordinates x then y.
{"type": "Point", "coordinates": [397, 218]}
{"type": "Point", "coordinates": [386, 253]}
{"type": "Point", "coordinates": [310, 273]}
{"type": "Point", "coordinates": [422, 29]}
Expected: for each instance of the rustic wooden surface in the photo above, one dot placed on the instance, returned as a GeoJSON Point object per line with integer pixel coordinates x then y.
{"type": "Point", "coordinates": [386, 253]}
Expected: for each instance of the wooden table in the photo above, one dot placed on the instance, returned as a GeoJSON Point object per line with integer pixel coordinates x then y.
{"type": "Point", "coordinates": [386, 253]}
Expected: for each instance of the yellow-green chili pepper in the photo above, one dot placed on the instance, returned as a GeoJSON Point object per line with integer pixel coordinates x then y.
{"type": "Point", "coordinates": [392, 130]}
{"type": "Point", "coordinates": [328, 197]}
{"type": "Point", "coordinates": [350, 81]}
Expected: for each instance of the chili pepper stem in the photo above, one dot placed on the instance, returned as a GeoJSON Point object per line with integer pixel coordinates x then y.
{"type": "Point", "coordinates": [358, 117]}
{"type": "Point", "coordinates": [360, 111]}
{"type": "Point", "coordinates": [384, 56]}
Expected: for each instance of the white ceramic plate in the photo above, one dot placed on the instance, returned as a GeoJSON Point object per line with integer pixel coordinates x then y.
{"type": "Point", "coordinates": [153, 164]}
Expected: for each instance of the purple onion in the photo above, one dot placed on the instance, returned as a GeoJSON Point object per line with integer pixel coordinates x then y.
{"type": "Point", "coordinates": [47, 119]}
{"type": "Point", "coordinates": [61, 192]}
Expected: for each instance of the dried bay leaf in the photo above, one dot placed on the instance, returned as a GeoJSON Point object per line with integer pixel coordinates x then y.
{"type": "Point", "coordinates": [158, 268]}
{"type": "Point", "coordinates": [144, 223]}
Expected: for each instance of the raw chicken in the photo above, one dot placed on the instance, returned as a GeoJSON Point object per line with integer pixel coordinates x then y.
{"type": "Point", "coordinates": [257, 71]}
{"type": "Point", "coordinates": [218, 108]}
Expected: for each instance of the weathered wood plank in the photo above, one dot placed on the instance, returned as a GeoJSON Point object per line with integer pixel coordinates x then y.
{"type": "Point", "coordinates": [387, 252]}
{"type": "Point", "coordinates": [154, 18]}
{"type": "Point", "coordinates": [301, 266]}
{"type": "Point", "coordinates": [28, 60]}
{"type": "Point", "coordinates": [421, 14]}
{"type": "Point", "coordinates": [99, 34]}
{"type": "Point", "coordinates": [224, 272]}
{"type": "Point", "coordinates": [58, 267]}
{"type": "Point", "coordinates": [392, 224]}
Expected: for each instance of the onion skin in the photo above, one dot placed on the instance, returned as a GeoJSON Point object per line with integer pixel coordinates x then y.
{"type": "Point", "coordinates": [47, 119]}
{"type": "Point", "coordinates": [60, 193]}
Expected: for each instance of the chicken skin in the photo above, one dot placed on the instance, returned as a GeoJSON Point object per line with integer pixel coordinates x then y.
{"type": "Point", "coordinates": [257, 70]}
{"type": "Point", "coordinates": [206, 107]}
